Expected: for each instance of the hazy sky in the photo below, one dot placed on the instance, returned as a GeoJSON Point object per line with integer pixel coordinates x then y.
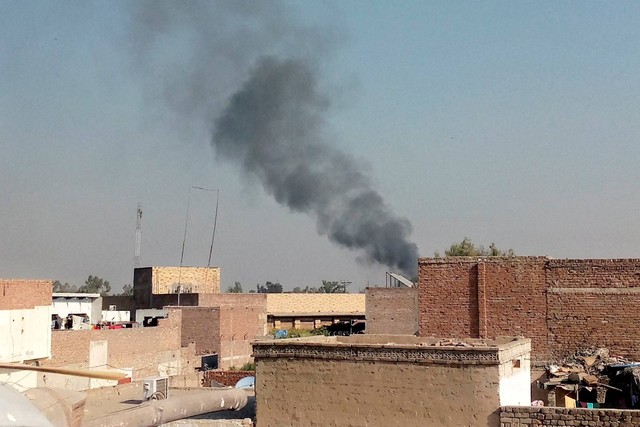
{"type": "Point", "coordinates": [507, 122]}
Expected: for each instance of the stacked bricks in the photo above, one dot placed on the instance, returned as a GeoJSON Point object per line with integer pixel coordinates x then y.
{"type": "Point", "coordinates": [225, 378]}
{"type": "Point", "coordinates": [526, 416]}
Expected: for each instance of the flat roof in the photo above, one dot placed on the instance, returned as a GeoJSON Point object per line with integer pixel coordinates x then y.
{"type": "Point", "coordinates": [318, 314]}
{"type": "Point", "coordinates": [74, 295]}
{"type": "Point", "coordinates": [397, 348]}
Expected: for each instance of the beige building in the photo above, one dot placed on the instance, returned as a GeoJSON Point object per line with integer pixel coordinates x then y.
{"type": "Point", "coordinates": [149, 281]}
{"type": "Point", "coordinates": [389, 380]}
{"type": "Point", "coordinates": [308, 311]}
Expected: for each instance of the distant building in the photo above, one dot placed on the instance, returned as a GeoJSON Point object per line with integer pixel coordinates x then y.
{"type": "Point", "coordinates": [173, 281]}
{"type": "Point", "coordinates": [76, 310]}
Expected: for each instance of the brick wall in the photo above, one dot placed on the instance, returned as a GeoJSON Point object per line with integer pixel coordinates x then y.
{"type": "Point", "coordinates": [149, 351]}
{"type": "Point", "coordinates": [201, 326]}
{"type": "Point", "coordinates": [239, 327]}
{"type": "Point", "coordinates": [192, 279]}
{"type": "Point", "coordinates": [391, 310]}
{"type": "Point", "coordinates": [243, 317]}
{"type": "Point", "coordinates": [225, 378]}
{"type": "Point", "coordinates": [448, 297]}
{"type": "Point", "coordinates": [234, 300]}
{"type": "Point", "coordinates": [315, 303]}
{"type": "Point", "coordinates": [24, 294]}
{"type": "Point", "coordinates": [524, 416]}
{"type": "Point", "coordinates": [562, 305]}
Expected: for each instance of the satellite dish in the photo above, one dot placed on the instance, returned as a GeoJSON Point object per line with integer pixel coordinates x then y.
{"type": "Point", "coordinates": [246, 382]}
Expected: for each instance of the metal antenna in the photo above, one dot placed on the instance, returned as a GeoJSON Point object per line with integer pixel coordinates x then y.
{"type": "Point", "coordinates": [184, 240]}
{"type": "Point", "coordinates": [215, 221]}
{"type": "Point", "coordinates": [136, 262]}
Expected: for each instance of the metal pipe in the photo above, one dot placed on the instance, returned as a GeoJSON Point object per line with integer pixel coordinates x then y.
{"type": "Point", "coordinates": [104, 375]}
{"type": "Point", "coordinates": [157, 412]}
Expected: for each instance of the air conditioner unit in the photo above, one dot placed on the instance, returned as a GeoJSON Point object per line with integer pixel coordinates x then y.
{"type": "Point", "coordinates": [155, 388]}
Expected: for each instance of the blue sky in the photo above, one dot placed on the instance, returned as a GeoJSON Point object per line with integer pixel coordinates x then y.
{"type": "Point", "coordinates": [507, 122]}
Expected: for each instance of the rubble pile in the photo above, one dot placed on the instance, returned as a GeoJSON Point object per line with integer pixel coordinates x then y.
{"type": "Point", "coordinates": [595, 376]}
{"type": "Point", "coordinates": [586, 367]}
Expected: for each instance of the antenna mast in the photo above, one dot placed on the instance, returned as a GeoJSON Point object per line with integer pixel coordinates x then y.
{"type": "Point", "coordinates": [136, 262]}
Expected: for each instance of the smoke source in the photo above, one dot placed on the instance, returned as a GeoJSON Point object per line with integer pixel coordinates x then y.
{"type": "Point", "coordinates": [273, 125]}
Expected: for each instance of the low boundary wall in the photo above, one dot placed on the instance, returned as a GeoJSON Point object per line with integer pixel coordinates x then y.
{"type": "Point", "coordinates": [526, 416]}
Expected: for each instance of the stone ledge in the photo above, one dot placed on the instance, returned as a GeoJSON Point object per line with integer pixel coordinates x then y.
{"type": "Point", "coordinates": [328, 349]}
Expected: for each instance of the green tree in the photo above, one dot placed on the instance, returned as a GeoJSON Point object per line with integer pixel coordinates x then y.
{"type": "Point", "coordinates": [95, 285]}
{"type": "Point", "coordinates": [333, 287]}
{"type": "Point", "coordinates": [305, 290]}
{"type": "Point", "coordinates": [467, 248]}
{"type": "Point", "coordinates": [235, 289]}
{"type": "Point", "coordinates": [127, 290]}
{"type": "Point", "coordinates": [60, 288]}
{"type": "Point", "coordinates": [269, 288]}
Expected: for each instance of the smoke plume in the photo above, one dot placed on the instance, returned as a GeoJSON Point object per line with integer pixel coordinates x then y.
{"type": "Point", "coordinates": [273, 126]}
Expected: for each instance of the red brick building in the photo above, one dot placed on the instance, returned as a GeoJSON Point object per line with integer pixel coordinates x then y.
{"type": "Point", "coordinates": [562, 305]}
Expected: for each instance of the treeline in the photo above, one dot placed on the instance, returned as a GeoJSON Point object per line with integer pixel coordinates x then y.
{"type": "Point", "coordinates": [93, 285]}
{"type": "Point", "coordinates": [327, 287]}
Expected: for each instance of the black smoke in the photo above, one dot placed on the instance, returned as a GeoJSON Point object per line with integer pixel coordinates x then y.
{"type": "Point", "coordinates": [273, 126]}
{"type": "Point", "coordinates": [272, 119]}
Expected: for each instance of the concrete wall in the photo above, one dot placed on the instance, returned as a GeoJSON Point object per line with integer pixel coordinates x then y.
{"type": "Point", "coordinates": [116, 316]}
{"type": "Point", "coordinates": [26, 334]}
{"type": "Point", "coordinates": [358, 381]}
{"type": "Point", "coordinates": [562, 305]}
{"type": "Point", "coordinates": [392, 310]}
{"type": "Point", "coordinates": [315, 303]}
{"type": "Point", "coordinates": [551, 416]}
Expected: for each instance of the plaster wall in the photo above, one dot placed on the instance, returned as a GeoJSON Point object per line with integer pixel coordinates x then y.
{"type": "Point", "coordinates": [385, 380]}
{"type": "Point", "coordinates": [515, 382]}
{"type": "Point", "coordinates": [91, 306]}
{"type": "Point", "coordinates": [116, 316]}
{"type": "Point", "coordinates": [26, 334]}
